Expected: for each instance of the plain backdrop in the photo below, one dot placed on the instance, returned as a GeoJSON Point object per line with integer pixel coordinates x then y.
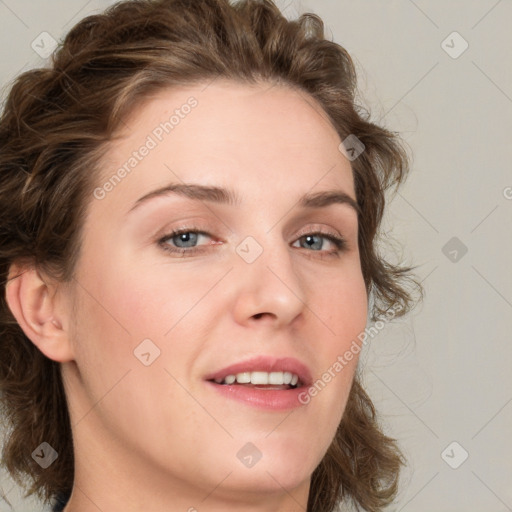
{"type": "Point", "coordinates": [440, 73]}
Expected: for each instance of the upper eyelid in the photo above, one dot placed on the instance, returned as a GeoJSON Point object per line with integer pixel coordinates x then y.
{"type": "Point", "coordinates": [208, 231]}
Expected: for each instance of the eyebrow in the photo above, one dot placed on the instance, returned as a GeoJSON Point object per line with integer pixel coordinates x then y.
{"type": "Point", "coordinates": [222, 195]}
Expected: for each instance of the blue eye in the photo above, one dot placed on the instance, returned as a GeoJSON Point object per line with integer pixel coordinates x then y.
{"type": "Point", "coordinates": [187, 237]}
{"type": "Point", "coordinates": [338, 242]}
{"type": "Point", "coordinates": [185, 242]}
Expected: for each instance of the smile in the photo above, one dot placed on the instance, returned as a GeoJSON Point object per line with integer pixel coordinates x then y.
{"type": "Point", "coordinates": [263, 380]}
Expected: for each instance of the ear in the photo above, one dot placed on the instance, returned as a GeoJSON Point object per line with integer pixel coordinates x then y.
{"type": "Point", "coordinates": [34, 301]}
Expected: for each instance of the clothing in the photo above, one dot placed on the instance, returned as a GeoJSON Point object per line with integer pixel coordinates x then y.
{"type": "Point", "coordinates": [61, 501]}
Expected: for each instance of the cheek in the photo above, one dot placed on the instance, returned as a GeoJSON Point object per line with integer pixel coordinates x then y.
{"type": "Point", "coordinates": [147, 309]}
{"type": "Point", "coordinates": [138, 303]}
{"type": "Point", "coordinates": [152, 300]}
{"type": "Point", "coordinates": [350, 312]}
{"type": "Point", "coordinates": [111, 320]}
{"type": "Point", "coordinates": [116, 311]}
{"type": "Point", "coordinates": [343, 308]}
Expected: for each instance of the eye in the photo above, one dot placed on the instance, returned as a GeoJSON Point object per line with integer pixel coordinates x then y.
{"type": "Point", "coordinates": [186, 242]}
{"type": "Point", "coordinates": [183, 240]}
{"type": "Point", "coordinates": [315, 240]}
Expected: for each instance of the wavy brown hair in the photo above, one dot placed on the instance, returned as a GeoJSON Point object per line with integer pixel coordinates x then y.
{"type": "Point", "coordinates": [56, 125]}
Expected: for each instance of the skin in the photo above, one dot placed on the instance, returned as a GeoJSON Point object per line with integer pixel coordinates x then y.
{"type": "Point", "coordinates": [157, 437]}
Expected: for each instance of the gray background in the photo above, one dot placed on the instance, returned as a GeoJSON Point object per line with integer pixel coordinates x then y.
{"type": "Point", "coordinates": [442, 375]}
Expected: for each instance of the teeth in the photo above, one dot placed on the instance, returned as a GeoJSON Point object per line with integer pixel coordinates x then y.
{"type": "Point", "coordinates": [243, 378]}
{"type": "Point", "coordinates": [230, 379]}
{"type": "Point", "coordinates": [259, 378]}
{"type": "Point", "coordinates": [276, 378]}
{"type": "Point", "coordinates": [273, 378]}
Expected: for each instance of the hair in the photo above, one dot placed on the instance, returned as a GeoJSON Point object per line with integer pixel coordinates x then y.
{"type": "Point", "coordinates": [56, 124]}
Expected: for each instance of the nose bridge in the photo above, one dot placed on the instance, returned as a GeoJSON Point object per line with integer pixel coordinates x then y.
{"type": "Point", "coordinates": [268, 283]}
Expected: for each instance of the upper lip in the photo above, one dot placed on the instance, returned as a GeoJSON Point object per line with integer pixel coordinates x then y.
{"type": "Point", "coordinates": [266, 364]}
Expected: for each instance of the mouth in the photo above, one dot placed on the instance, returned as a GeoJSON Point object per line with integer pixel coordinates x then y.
{"type": "Point", "coordinates": [263, 382]}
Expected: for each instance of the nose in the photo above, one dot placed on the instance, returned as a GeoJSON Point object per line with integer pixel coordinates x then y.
{"type": "Point", "coordinates": [269, 289]}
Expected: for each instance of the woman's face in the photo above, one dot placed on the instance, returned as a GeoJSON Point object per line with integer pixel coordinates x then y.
{"type": "Point", "coordinates": [156, 317]}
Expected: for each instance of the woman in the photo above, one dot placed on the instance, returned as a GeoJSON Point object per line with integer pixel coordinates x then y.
{"type": "Point", "coordinates": [190, 200]}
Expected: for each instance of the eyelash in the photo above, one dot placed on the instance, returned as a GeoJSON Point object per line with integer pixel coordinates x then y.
{"type": "Point", "coordinates": [339, 242]}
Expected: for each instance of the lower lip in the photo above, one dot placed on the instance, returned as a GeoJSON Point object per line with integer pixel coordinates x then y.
{"type": "Point", "coordinates": [276, 400]}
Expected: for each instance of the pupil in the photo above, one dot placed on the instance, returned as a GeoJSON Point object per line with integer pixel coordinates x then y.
{"type": "Point", "coordinates": [310, 238]}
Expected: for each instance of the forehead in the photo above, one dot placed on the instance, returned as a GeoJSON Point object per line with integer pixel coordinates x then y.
{"type": "Point", "coordinates": [261, 137]}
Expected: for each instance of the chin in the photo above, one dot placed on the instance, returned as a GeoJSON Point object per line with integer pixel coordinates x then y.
{"type": "Point", "coordinates": [264, 480]}
{"type": "Point", "coordinates": [282, 465]}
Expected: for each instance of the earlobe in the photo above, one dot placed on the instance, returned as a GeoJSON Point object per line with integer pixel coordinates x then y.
{"type": "Point", "coordinates": [33, 302]}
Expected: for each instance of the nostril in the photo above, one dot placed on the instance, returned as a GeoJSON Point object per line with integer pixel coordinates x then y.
{"type": "Point", "coordinates": [259, 315]}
